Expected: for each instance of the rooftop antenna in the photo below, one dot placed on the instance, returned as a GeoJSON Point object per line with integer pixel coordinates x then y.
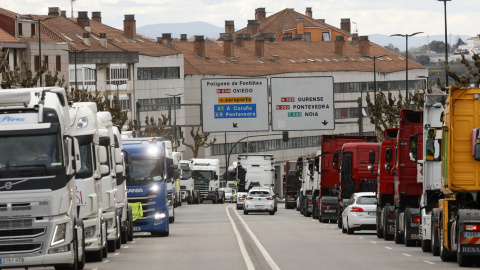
{"type": "Point", "coordinates": [71, 2]}
{"type": "Point", "coordinates": [356, 30]}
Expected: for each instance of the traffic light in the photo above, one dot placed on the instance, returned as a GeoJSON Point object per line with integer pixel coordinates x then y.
{"type": "Point", "coordinates": [285, 136]}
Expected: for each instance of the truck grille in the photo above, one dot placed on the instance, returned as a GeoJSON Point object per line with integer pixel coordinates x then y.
{"type": "Point", "coordinates": [20, 248]}
{"type": "Point", "coordinates": [201, 184]}
{"type": "Point", "coordinates": [146, 205]}
{"type": "Point", "coordinates": [22, 233]}
{"type": "Point", "coordinates": [15, 223]}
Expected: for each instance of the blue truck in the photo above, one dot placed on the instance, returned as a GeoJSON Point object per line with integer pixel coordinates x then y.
{"type": "Point", "coordinates": [147, 176]}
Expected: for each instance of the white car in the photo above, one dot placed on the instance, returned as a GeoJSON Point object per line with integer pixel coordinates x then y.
{"type": "Point", "coordinates": [228, 194]}
{"type": "Point", "coordinates": [259, 200]}
{"type": "Point", "coordinates": [241, 199]}
{"type": "Point", "coordinates": [360, 213]}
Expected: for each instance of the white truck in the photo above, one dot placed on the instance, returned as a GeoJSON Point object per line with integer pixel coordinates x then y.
{"type": "Point", "coordinates": [308, 177]}
{"type": "Point", "coordinates": [231, 176]}
{"type": "Point", "coordinates": [38, 160]}
{"type": "Point", "coordinates": [255, 170]}
{"type": "Point", "coordinates": [432, 182]}
{"type": "Point", "coordinates": [188, 193]}
{"type": "Point", "coordinates": [109, 181]}
{"type": "Point", "coordinates": [171, 182]}
{"type": "Point", "coordinates": [205, 174]}
{"type": "Point", "coordinates": [88, 179]}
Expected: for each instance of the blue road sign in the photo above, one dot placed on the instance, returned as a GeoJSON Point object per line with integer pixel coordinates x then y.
{"type": "Point", "coordinates": [235, 111]}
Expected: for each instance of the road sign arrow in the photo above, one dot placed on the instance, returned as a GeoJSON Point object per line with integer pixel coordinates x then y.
{"type": "Point", "coordinates": [235, 125]}
{"type": "Point", "coordinates": [324, 122]}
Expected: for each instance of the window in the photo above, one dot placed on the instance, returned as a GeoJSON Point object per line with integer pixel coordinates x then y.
{"type": "Point", "coordinates": [308, 36]}
{"type": "Point", "coordinates": [59, 63]}
{"type": "Point", "coordinates": [20, 29]}
{"type": "Point", "coordinates": [33, 29]}
{"type": "Point", "coordinates": [158, 104]}
{"type": "Point", "coordinates": [326, 36]}
{"type": "Point", "coordinates": [158, 73]}
{"type": "Point", "coordinates": [36, 60]}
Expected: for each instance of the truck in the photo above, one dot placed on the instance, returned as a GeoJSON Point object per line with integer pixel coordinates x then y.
{"type": "Point", "coordinates": [459, 210]}
{"type": "Point", "coordinates": [88, 179]}
{"type": "Point", "coordinates": [255, 170]}
{"type": "Point", "coordinates": [188, 193]}
{"type": "Point", "coordinates": [205, 174]}
{"type": "Point", "coordinates": [147, 183]}
{"type": "Point", "coordinates": [291, 184]}
{"type": "Point", "coordinates": [39, 157]}
{"type": "Point", "coordinates": [109, 182]}
{"type": "Point", "coordinates": [230, 176]}
{"type": "Point", "coordinates": [430, 169]}
{"type": "Point", "coordinates": [354, 173]}
{"type": "Point", "coordinates": [307, 191]}
{"type": "Point", "coordinates": [385, 209]}
{"type": "Point", "coordinates": [407, 186]}
{"type": "Point", "coordinates": [327, 166]}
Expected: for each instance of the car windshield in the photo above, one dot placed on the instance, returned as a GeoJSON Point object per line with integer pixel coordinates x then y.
{"type": "Point", "coordinates": [202, 175]}
{"type": "Point", "coordinates": [186, 174]}
{"type": "Point", "coordinates": [259, 193]}
{"type": "Point", "coordinates": [146, 170]}
{"type": "Point", "coordinates": [43, 151]}
{"type": "Point", "coordinates": [367, 200]}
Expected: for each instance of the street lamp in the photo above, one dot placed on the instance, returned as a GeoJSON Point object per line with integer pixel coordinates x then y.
{"type": "Point", "coordinates": [75, 52]}
{"type": "Point", "coordinates": [406, 58]}
{"type": "Point", "coordinates": [374, 73]}
{"type": "Point", "coordinates": [40, 43]}
{"type": "Point", "coordinates": [446, 44]}
{"type": "Point", "coordinates": [174, 116]}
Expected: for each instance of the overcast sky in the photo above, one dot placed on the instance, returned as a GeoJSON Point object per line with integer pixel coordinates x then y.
{"type": "Point", "coordinates": [371, 16]}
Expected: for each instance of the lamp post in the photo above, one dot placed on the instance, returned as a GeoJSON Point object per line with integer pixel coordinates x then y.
{"type": "Point", "coordinates": [40, 44]}
{"type": "Point", "coordinates": [446, 44]}
{"type": "Point", "coordinates": [374, 73]}
{"type": "Point", "coordinates": [174, 116]}
{"type": "Point", "coordinates": [406, 58]}
{"type": "Point", "coordinates": [75, 62]}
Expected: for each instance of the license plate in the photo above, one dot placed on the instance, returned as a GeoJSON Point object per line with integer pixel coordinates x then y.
{"type": "Point", "coordinates": [329, 211]}
{"type": "Point", "coordinates": [471, 234]}
{"type": "Point", "coordinates": [372, 213]}
{"type": "Point", "coordinates": [136, 229]}
{"type": "Point", "coordinates": [414, 225]}
{"type": "Point", "coordinates": [11, 260]}
{"type": "Point", "coordinates": [259, 206]}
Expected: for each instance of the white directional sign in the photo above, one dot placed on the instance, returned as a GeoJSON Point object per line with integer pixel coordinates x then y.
{"type": "Point", "coordinates": [304, 103]}
{"type": "Point", "coordinates": [235, 105]}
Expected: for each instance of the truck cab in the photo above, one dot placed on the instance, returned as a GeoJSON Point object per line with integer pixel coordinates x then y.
{"type": "Point", "coordinates": [188, 193]}
{"type": "Point", "coordinates": [205, 175]}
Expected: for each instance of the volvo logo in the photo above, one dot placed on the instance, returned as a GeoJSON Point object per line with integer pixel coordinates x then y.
{"type": "Point", "coordinates": [8, 185]}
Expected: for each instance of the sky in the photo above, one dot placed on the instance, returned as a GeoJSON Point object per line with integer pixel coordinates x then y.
{"type": "Point", "coordinates": [367, 16]}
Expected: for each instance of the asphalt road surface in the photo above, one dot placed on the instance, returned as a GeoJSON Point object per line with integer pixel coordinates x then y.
{"type": "Point", "coordinates": [211, 237]}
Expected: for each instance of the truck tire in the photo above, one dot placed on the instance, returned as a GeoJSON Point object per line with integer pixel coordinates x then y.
{"type": "Point", "coordinates": [118, 242]}
{"type": "Point", "coordinates": [245, 212]}
{"type": "Point", "coordinates": [397, 236]}
{"type": "Point", "coordinates": [463, 260]}
{"type": "Point", "coordinates": [377, 222]}
{"type": "Point", "coordinates": [434, 243]}
{"type": "Point", "coordinates": [406, 217]}
{"type": "Point", "coordinates": [124, 234]}
{"type": "Point", "coordinates": [130, 225]}
{"type": "Point", "coordinates": [104, 240]}
{"type": "Point", "coordinates": [386, 235]}
{"type": "Point", "coordinates": [81, 262]}
{"type": "Point", "coordinates": [445, 255]}
{"type": "Point", "coordinates": [172, 218]}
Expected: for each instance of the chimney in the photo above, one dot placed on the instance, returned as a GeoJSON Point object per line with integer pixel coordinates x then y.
{"type": "Point", "coordinates": [166, 38]}
{"type": "Point", "coordinates": [364, 45]}
{"type": "Point", "coordinates": [86, 39]}
{"type": "Point", "coordinates": [103, 40]}
{"type": "Point", "coordinates": [129, 26]}
{"type": "Point", "coordinates": [345, 25]}
{"type": "Point", "coordinates": [97, 16]}
{"type": "Point", "coordinates": [229, 27]}
{"type": "Point", "coordinates": [199, 46]}
{"type": "Point", "coordinates": [53, 11]}
{"type": "Point", "coordinates": [64, 13]}
{"type": "Point", "coordinates": [86, 26]}
{"type": "Point", "coordinates": [228, 46]}
{"type": "Point", "coordinates": [260, 14]}
{"type": "Point", "coordinates": [308, 12]}
{"type": "Point", "coordinates": [82, 18]}
{"type": "Point", "coordinates": [300, 26]}
{"type": "Point", "coordinates": [240, 40]}
{"type": "Point", "coordinates": [253, 27]}
{"type": "Point", "coordinates": [270, 37]}
{"type": "Point", "coordinates": [260, 47]}
{"type": "Point", "coordinates": [340, 45]}
{"type": "Point", "coordinates": [183, 37]}
{"type": "Point", "coordinates": [355, 39]}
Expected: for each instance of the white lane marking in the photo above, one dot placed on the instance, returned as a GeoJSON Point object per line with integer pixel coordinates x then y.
{"type": "Point", "coordinates": [125, 247]}
{"type": "Point", "coordinates": [264, 252]}
{"type": "Point", "coordinates": [106, 261]}
{"type": "Point", "coordinates": [116, 254]}
{"type": "Point", "coordinates": [429, 262]}
{"type": "Point", "coordinates": [95, 269]}
{"type": "Point", "coordinates": [243, 250]}
{"type": "Point", "coordinates": [361, 237]}
{"type": "Point", "coordinates": [373, 242]}
{"type": "Point", "coordinates": [133, 242]}
{"type": "Point", "coordinates": [332, 227]}
{"type": "Point", "coordinates": [405, 254]}
{"type": "Point", "coordinates": [388, 247]}
{"type": "Point", "coordinates": [145, 234]}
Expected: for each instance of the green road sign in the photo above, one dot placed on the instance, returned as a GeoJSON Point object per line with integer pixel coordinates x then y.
{"type": "Point", "coordinates": [294, 114]}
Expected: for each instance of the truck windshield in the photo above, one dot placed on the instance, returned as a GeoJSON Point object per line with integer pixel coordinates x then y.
{"type": "Point", "coordinates": [146, 171]}
{"type": "Point", "coordinates": [202, 175]}
{"type": "Point", "coordinates": [21, 152]}
{"type": "Point", "coordinates": [187, 174]}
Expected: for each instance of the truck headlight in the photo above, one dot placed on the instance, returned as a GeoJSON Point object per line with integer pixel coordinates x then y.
{"type": "Point", "coordinates": [82, 122]}
{"type": "Point", "coordinates": [90, 231]}
{"type": "Point", "coordinates": [109, 223]}
{"type": "Point", "coordinates": [59, 234]}
{"type": "Point", "coordinates": [154, 188]}
{"type": "Point", "coordinates": [160, 215]}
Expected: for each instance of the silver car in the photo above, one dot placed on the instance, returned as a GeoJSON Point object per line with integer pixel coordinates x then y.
{"type": "Point", "coordinates": [241, 199]}
{"type": "Point", "coordinates": [260, 200]}
{"type": "Point", "coordinates": [360, 213]}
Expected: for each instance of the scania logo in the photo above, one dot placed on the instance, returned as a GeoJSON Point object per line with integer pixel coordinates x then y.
{"type": "Point", "coordinates": [134, 190]}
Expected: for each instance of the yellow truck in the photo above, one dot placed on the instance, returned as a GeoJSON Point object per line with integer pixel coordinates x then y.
{"type": "Point", "coordinates": [459, 211]}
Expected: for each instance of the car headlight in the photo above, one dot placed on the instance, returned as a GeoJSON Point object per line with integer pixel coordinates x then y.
{"type": "Point", "coordinates": [90, 231]}
{"type": "Point", "coordinates": [160, 215]}
{"type": "Point", "coordinates": [154, 188]}
{"type": "Point", "coordinates": [59, 234]}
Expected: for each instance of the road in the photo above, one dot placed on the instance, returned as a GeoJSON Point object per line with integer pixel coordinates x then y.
{"type": "Point", "coordinates": [205, 237]}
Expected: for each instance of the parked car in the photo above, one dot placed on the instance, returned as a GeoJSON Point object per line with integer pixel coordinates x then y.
{"type": "Point", "coordinates": [260, 199]}
{"type": "Point", "coordinates": [360, 213]}
{"type": "Point", "coordinates": [241, 200]}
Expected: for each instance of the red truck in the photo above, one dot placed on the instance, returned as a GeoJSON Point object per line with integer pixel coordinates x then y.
{"type": "Point", "coordinates": [407, 190]}
{"type": "Point", "coordinates": [291, 184]}
{"type": "Point", "coordinates": [385, 209]}
{"type": "Point", "coordinates": [330, 178]}
{"type": "Point", "coordinates": [354, 173]}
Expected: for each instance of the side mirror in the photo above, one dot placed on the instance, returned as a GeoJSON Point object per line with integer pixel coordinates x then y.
{"type": "Point", "coordinates": [388, 167]}
{"type": "Point", "coordinates": [371, 157]}
{"type": "Point", "coordinates": [216, 177]}
{"type": "Point", "coordinates": [370, 168]}
{"type": "Point", "coordinates": [104, 169]}
{"type": "Point", "coordinates": [102, 154]}
{"type": "Point", "coordinates": [388, 155]}
{"type": "Point", "coordinates": [118, 156]}
{"type": "Point", "coordinates": [118, 168]}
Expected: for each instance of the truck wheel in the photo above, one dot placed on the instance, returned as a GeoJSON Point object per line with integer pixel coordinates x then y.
{"type": "Point", "coordinates": [172, 218]}
{"type": "Point", "coordinates": [406, 217]}
{"type": "Point", "coordinates": [397, 237]}
{"type": "Point", "coordinates": [386, 235]}
{"type": "Point", "coordinates": [130, 226]}
{"type": "Point", "coordinates": [379, 229]}
{"type": "Point", "coordinates": [245, 212]}
{"type": "Point", "coordinates": [81, 262]}
{"type": "Point", "coordinates": [118, 242]}
{"type": "Point", "coordinates": [444, 254]}
{"type": "Point", "coordinates": [434, 235]}
{"type": "Point", "coordinates": [104, 240]}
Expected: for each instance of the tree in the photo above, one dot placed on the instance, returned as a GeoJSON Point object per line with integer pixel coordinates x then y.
{"type": "Point", "coordinates": [392, 48]}
{"type": "Point", "coordinates": [200, 139]}
{"type": "Point", "coordinates": [472, 75]}
{"type": "Point", "coordinates": [423, 60]}
{"type": "Point", "coordinates": [438, 46]}
{"type": "Point", "coordinates": [152, 129]}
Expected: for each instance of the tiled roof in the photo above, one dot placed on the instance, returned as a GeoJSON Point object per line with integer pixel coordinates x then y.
{"type": "Point", "coordinates": [288, 57]}
{"type": "Point", "coordinates": [6, 37]}
{"type": "Point", "coordinates": [8, 13]}
{"type": "Point", "coordinates": [286, 20]}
